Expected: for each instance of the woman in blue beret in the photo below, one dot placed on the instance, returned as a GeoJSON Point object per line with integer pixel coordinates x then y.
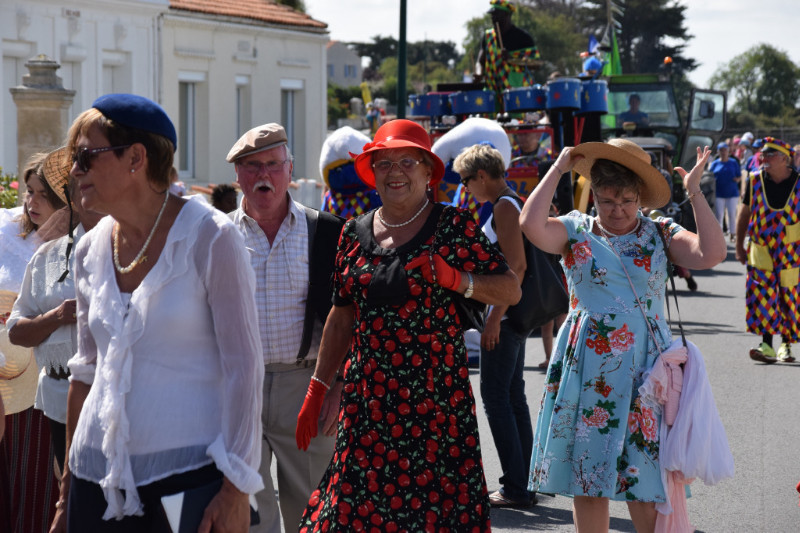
{"type": "Point", "coordinates": [165, 394]}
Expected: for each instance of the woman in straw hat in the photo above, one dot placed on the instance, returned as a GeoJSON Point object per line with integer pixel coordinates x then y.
{"type": "Point", "coordinates": [595, 438]}
{"type": "Point", "coordinates": [165, 391]}
{"type": "Point", "coordinates": [43, 317]}
{"type": "Point", "coordinates": [407, 451]}
{"type": "Point", "coordinates": [26, 455]}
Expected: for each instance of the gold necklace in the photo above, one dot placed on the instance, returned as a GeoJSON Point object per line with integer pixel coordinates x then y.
{"type": "Point", "coordinates": [140, 257]}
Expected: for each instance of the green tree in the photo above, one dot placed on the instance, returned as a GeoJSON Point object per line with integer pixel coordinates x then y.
{"type": "Point", "coordinates": [763, 80]}
{"type": "Point", "coordinates": [297, 5]}
{"type": "Point", "coordinates": [645, 27]}
{"type": "Point", "coordinates": [379, 49]}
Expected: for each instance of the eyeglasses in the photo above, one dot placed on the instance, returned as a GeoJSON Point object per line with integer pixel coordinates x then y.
{"type": "Point", "coordinates": [257, 167]}
{"type": "Point", "coordinates": [84, 156]}
{"type": "Point", "coordinates": [465, 180]}
{"type": "Point", "coordinates": [406, 164]}
{"type": "Point", "coordinates": [611, 204]}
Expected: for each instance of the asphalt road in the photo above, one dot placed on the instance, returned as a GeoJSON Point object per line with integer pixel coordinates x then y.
{"type": "Point", "coordinates": [758, 405]}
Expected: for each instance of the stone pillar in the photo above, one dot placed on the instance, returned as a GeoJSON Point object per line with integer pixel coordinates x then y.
{"type": "Point", "coordinates": [42, 111]}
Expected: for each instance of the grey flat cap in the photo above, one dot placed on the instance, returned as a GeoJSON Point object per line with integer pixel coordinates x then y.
{"type": "Point", "coordinates": [256, 140]}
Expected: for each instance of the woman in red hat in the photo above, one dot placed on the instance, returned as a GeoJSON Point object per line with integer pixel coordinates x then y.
{"type": "Point", "coordinates": [407, 453]}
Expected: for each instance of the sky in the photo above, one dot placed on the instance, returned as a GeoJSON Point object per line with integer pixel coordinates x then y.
{"type": "Point", "coordinates": [722, 29]}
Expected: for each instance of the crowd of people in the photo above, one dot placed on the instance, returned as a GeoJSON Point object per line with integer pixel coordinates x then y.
{"type": "Point", "coordinates": [182, 349]}
{"type": "Point", "coordinates": [159, 345]}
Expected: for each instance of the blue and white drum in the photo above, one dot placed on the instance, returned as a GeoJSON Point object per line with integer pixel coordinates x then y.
{"type": "Point", "coordinates": [533, 98]}
{"type": "Point", "coordinates": [470, 102]}
{"type": "Point", "coordinates": [594, 97]}
{"type": "Point", "coordinates": [431, 104]}
{"type": "Point", "coordinates": [564, 93]}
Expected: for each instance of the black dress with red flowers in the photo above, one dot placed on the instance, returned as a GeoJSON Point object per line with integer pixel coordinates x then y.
{"type": "Point", "coordinates": [407, 454]}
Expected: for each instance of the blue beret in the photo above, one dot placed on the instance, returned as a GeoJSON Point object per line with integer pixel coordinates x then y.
{"type": "Point", "coordinates": [137, 112]}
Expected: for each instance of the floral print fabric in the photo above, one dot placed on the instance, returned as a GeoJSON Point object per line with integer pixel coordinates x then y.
{"type": "Point", "coordinates": [594, 435]}
{"type": "Point", "coordinates": [407, 455]}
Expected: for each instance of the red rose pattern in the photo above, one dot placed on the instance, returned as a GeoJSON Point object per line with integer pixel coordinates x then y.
{"type": "Point", "coordinates": [407, 454]}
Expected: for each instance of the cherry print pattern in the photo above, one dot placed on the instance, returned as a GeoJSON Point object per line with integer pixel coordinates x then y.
{"type": "Point", "coordinates": [407, 455]}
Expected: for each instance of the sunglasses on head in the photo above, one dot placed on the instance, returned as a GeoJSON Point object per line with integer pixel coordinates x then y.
{"type": "Point", "coordinates": [83, 157]}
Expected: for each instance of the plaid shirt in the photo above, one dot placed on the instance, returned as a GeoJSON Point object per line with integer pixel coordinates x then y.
{"type": "Point", "coordinates": [281, 284]}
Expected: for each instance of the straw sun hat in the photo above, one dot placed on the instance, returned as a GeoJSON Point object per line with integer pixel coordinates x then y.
{"type": "Point", "coordinates": [655, 190]}
{"type": "Point", "coordinates": [56, 169]}
{"type": "Point", "coordinates": [20, 375]}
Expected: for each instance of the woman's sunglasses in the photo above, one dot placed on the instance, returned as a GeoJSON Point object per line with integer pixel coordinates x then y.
{"type": "Point", "coordinates": [84, 156]}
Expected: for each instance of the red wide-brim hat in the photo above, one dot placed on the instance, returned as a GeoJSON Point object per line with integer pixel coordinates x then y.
{"type": "Point", "coordinates": [399, 133]}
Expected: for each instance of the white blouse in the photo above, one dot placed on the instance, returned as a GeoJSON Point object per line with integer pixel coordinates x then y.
{"type": "Point", "coordinates": [40, 292]}
{"type": "Point", "coordinates": [15, 252]}
{"type": "Point", "coordinates": [176, 371]}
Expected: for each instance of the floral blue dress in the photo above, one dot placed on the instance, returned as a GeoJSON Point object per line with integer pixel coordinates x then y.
{"type": "Point", "coordinates": [594, 436]}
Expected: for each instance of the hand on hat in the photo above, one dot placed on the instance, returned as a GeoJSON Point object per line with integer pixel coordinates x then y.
{"type": "Point", "coordinates": [435, 270]}
{"type": "Point", "coordinates": [691, 179]}
{"type": "Point", "coordinates": [566, 161]}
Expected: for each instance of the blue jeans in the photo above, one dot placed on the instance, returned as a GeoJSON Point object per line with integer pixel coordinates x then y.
{"type": "Point", "coordinates": [503, 394]}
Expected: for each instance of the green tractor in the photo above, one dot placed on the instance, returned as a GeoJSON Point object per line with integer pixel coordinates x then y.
{"type": "Point", "coordinates": [643, 109]}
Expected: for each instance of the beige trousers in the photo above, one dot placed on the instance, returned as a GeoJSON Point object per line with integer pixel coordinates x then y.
{"type": "Point", "coordinates": [298, 472]}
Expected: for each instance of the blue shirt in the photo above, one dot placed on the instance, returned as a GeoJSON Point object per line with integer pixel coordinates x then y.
{"type": "Point", "coordinates": [725, 172]}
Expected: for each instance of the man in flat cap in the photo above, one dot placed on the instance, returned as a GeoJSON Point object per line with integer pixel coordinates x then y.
{"type": "Point", "coordinates": [292, 250]}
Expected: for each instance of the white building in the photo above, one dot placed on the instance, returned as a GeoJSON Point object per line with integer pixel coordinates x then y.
{"type": "Point", "coordinates": [344, 65]}
{"type": "Point", "coordinates": [218, 67]}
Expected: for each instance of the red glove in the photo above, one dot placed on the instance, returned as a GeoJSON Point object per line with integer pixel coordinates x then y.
{"type": "Point", "coordinates": [436, 270]}
{"type": "Point", "coordinates": [798, 488]}
{"type": "Point", "coordinates": [308, 419]}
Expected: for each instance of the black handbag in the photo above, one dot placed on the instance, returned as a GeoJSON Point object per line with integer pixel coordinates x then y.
{"type": "Point", "coordinates": [543, 294]}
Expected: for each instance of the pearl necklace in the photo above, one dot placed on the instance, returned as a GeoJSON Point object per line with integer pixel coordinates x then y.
{"type": "Point", "coordinates": [407, 222]}
{"type": "Point", "coordinates": [609, 234]}
{"type": "Point", "coordinates": [140, 257]}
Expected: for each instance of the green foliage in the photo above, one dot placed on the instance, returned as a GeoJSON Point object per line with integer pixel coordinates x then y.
{"type": "Point", "coordinates": [8, 189]}
{"type": "Point", "coordinates": [763, 80]}
{"type": "Point", "coordinates": [339, 102]}
{"type": "Point", "coordinates": [646, 24]}
{"type": "Point", "coordinates": [297, 5]}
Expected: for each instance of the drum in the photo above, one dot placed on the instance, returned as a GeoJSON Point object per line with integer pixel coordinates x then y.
{"type": "Point", "coordinates": [594, 97]}
{"type": "Point", "coordinates": [469, 102]}
{"type": "Point", "coordinates": [532, 98]}
{"type": "Point", "coordinates": [431, 104]}
{"type": "Point", "coordinates": [564, 93]}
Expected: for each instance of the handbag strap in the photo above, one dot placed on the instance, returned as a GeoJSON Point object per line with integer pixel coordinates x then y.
{"type": "Point", "coordinates": [633, 289]}
{"type": "Point", "coordinates": [672, 283]}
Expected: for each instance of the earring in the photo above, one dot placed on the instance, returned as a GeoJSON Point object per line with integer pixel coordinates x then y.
{"type": "Point", "coordinates": [133, 170]}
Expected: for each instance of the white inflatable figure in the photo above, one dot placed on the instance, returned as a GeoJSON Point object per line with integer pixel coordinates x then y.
{"type": "Point", "coordinates": [347, 196]}
{"type": "Point", "coordinates": [470, 132]}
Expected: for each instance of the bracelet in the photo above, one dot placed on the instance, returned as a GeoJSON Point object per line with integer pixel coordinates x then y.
{"type": "Point", "coordinates": [470, 286]}
{"type": "Point", "coordinates": [557, 168]}
{"type": "Point", "coordinates": [315, 378]}
{"type": "Point", "coordinates": [692, 195]}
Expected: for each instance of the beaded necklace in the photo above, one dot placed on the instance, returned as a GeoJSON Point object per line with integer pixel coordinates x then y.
{"type": "Point", "coordinates": [407, 222]}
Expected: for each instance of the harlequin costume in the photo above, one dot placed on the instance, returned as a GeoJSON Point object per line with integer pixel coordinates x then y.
{"type": "Point", "coordinates": [500, 74]}
{"type": "Point", "coordinates": [773, 255]}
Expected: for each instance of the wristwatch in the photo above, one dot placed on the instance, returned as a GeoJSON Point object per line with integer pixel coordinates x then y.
{"type": "Point", "coordinates": [470, 287]}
